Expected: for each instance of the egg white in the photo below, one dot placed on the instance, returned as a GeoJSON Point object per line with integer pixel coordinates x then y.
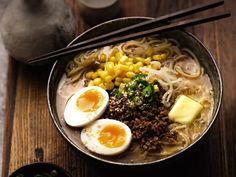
{"type": "Point", "coordinates": [77, 118]}
{"type": "Point", "coordinates": [90, 137]}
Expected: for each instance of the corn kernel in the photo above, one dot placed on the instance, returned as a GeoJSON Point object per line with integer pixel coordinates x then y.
{"type": "Point", "coordinates": [139, 64]}
{"type": "Point", "coordinates": [130, 60]}
{"type": "Point", "coordinates": [163, 56]}
{"type": "Point", "coordinates": [109, 85]}
{"type": "Point", "coordinates": [97, 81]}
{"type": "Point", "coordinates": [123, 67]}
{"type": "Point", "coordinates": [118, 56]}
{"type": "Point", "coordinates": [159, 57]}
{"type": "Point", "coordinates": [147, 61]}
{"type": "Point", "coordinates": [101, 65]}
{"type": "Point", "coordinates": [130, 74]}
{"type": "Point", "coordinates": [103, 57]}
{"type": "Point", "coordinates": [99, 71]}
{"type": "Point", "coordinates": [156, 66]}
{"type": "Point", "coordinates": [151, 80]}
{"type": "Point", "coordinates": [129, 63]}
{"type": "Point", "coordinates": [108, 78]}
{"type": "Point", "coordinates": [156, 88]}
{"type": "Point", "coordinates": [149, 66]}
{"type": "Point", "coordinates": [122, 87]}
{"type": "Point", "coordinates": [156, 57]}
{"type": "Point", "coordinates": [136, 69]}
{"type": "Point", "coordinates": [149, 51]}
{"type": "Point", "coordinates": [113, 59]}
{"type": "Point", "coordinates": [103, 74]}
{"type": "Point", "coordinates": [119, 79]}
{"type": "Point", "coordinates": [117, 83]}
{"type": "Point", "coordinates": [114, 51]}
{"type": "Point", "coordinates": [89, 74]}
{"type": "Point", "coordinates": [102, 86]}
{"type": "Point", "coordinates": [109, 66]}
{"type": "Point", "coordinates": [123, 59]}
{"type": "Point", "coordinates": [117, 72]}
{"type": "Point", "coordinates": [139, 59]}
{"type": "Point", "coordinates": [125, 80]}
{"type": "Point", "coordinates": [131, 67]}
{"type": "Point", "coordinates": [94, 75]}
{"type": "Point", "coordinates": [91, 83]}
{"type": "Point", "coordinates": [123, 74]}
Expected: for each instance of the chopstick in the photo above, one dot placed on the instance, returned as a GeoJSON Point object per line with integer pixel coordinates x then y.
{"type": "Point", "coordinates": [111, 38]}
{"type": "Point", "coordinates": [165, 18]}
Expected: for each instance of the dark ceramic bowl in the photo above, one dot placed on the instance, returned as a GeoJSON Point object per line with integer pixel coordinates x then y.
{"type": "Point", "coordinates": [185, 39]}
{"type": "Point", "coordinates": [33, 169]}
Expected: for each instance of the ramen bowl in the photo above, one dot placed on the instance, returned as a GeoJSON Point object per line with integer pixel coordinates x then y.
{"type": "Point", "coordinates": [72, 135]}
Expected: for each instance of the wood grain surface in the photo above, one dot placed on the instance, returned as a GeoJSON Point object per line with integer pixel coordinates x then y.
{"type": "Point", "coordinates": [30, 135]}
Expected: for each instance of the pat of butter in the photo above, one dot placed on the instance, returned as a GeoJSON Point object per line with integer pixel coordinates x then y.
{"type": "Point", "coordinates": [185, 110]}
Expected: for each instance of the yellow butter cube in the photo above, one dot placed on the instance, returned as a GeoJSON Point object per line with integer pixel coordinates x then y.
{"type": "Point", "coordinates": [185, 110]}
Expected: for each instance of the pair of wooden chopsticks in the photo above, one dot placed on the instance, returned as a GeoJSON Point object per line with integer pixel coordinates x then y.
{"type": "Point", "coordinates": [125, 34]}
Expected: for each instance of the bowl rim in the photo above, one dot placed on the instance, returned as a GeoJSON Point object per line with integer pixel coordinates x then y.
{"type": "Point", "coordinates": [90, 6]}
{"type": "Point", "coordinates": [140, 163]}
{"type": "Point", "coordinates": [44, 164]}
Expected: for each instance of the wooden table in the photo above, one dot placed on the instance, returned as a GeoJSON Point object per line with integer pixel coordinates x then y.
{"type": "Point", "coordinates": [30, 135]}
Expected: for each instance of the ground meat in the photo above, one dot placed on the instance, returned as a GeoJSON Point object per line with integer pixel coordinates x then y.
{"type": "Point", "coordinates": [148, 123]}
{"type": "Point", "coordinates": [170, 138]}
{"type": "Point", "coordinates": [151, 144]}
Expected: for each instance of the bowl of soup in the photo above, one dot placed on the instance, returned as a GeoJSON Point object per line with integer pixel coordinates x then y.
{"type": "Point", "coordinates": [138, 102]}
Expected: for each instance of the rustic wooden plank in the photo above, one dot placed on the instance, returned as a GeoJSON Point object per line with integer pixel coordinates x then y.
{"type": "Point", "coordinates": [9, 112]}
{"type": "Point", "coordinates": [225, 41]}
{"type": "Point", "coordinates": [218, 38]}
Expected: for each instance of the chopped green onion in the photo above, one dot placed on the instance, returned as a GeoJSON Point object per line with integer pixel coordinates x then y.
{"type": "Point", "coordinates": [148, 91]}
{"type": "Point", "coordinates": [118, 94]}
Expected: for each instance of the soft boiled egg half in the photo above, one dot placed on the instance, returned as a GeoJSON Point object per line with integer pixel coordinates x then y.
{"type": "Point", "coordinates": [106, 137]}
{"type": "Point", "coordinates": [85, 106]}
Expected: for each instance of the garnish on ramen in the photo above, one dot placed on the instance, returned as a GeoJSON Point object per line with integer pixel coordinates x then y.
{"type": "Point", "coordinates": [154, 86]}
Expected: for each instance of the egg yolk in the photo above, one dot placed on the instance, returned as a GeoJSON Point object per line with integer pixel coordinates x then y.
{"type": "Point", "coordinates": [90, 100]}
{"type": "Point", "coordinates": [112, 136]}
